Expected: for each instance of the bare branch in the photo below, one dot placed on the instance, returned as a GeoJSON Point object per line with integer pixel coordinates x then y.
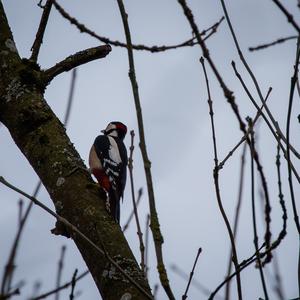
{"type": "Point", "coordinates": [237, 215]}
{"type": "Point", "coordinates": [154, 49]}
{"type": "Point", "coordinates": [139, 231]}
{"type": "Point", "coordinates": [75, 60]}
{"type": "Point", "coordinates": [73, 284]}
{"type": "Point", "coordinates": [258, 114]}
{"type": "Point", "coordinates": [267, 45]}
{"type": "Point", "coordinates": [191, 275]}
{"type": "Point", "coordinates": [290, 179]}
{"type": "Point", "coordinates": [62, 287]}
{"type": "Point", "coordinates": [289, 16]}
{"type": "Point", "coordinates": [10, 265]}
{"type": "Point", "coordinates": [70, 99]}
{"type": "Point", "coordinates": [74, 229]}
{"type": "Point", "coordinates": [255, 239]}
{"type": "Point", "coordinates": [140, 193]}
{"type": "Point", "coordinates": [243, 60]}
{"type": "Point", "coordinates": [147, 245]}
{"type": "Point", "coordinates": [59, 270]}
{"type": "Point", "coordinates": [10, 294]}
{"type": "Point", "coordinates": [203, 289]}
{"type": "Point", "coordinates": [155, 227]}
{"type": "Point", "coordinates": [277, 134]}
{"type": "Point", "coordinates": [216, 182]}
{"type": "Point", "coordinates": [41, 30]}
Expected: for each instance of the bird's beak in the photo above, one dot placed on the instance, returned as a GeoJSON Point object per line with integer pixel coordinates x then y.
{"type": "Point", "coordinates": [103, 131]}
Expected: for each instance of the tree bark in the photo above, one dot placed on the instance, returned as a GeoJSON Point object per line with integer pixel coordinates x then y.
{"type": "Point", "coordinates": [42, 139]}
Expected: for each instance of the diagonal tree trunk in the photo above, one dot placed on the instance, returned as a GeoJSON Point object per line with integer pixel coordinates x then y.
{"type": "Point", "coordinates": [42, 139]}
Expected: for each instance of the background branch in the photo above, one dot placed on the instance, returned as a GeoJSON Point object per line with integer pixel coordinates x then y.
{"type": "Point", "coordinates": [267, 45]}
{"type": "Point", "coordinates": [153, 49]}
{"type": "Point", "coordinates": [139, 231]}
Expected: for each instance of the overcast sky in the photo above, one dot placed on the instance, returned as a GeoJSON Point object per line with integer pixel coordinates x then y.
{"type": "Point", "coordinates": [178, 135]}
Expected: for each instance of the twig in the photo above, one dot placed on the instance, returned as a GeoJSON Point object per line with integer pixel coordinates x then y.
{"type": "Point", "coordinates": [140, 193]}
{"type": "Point", "coordinates": [76, 60]}
{"type": "Point", "coordinates": [153, 49]}
{"type": "Point", "coordinates": [20, 216]}
{"type": "Point", "coordinates": [147, 245]}
{"type": "Point", "coordinates": [275, 244]}
{"type": "Point", "coordinates": [155, 227]}
{"type": "Point", "coordinates": [243, 60]}
{"type": "Point", "coordinates": [70, 99]}
{"type": "Point", "coordinates": [203, 289]}
{"type": "Point", "coordinates": [290, 179]}
{"type": "Point", "coordinates": [41, 30]}
{"type": "Point", "coordinates": [10, 265]}
{"type": "Point", "coordinates": [255, 240]}
{"type": "Point", "coordinates": [289, 16]}
{"type": "Point", "coordinates": [244, 264]}
{"type": "Point", "coordinates": [278, 41]}
{"type": "Point", "coordinates": [73, 284]}
{"type": "Point", "coordinates": [216, 182]}
{"type": "Point", "coordinates": [191, 275]}
{"type": "Point", "coordinates": [36, 289]}
{"type": "Point", "coordinates": [278, 287]}
{"type": "Point", "coordinates": [59, 269]}
{"type": "Point", "coordinates": [10, 294]}
{"type": "Point", "coordinates": [138, 226]}
{"type": "Point", "coordinates": [237, 214]}
{"type": "Point", "coordinates": [288, 123]}
{"type": "Point", "coordinates": [258, 114]}
{"type": "Point", "coordinates": [155, 291]}
{"type": "Point", "coordinates": [77, 231]}
{"type": "Point", "coordinates": [278, 135]}
{"type": "Point", "coordinates": [62, 287]}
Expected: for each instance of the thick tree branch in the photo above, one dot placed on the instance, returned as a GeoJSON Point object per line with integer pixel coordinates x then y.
{"type": "Point", "coordinates": [75, 60]}
{"type": "Point", "coordinates": [42, 139]}
{"type": "Point", "coordinates": [73, 231]}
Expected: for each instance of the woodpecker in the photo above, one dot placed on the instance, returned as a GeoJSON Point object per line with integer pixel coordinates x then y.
{"type": "Point", "coordinates": [108, 163]}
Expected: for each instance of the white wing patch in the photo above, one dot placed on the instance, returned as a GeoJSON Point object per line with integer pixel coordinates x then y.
{"type": "Point", "coordinates": [113, 151]}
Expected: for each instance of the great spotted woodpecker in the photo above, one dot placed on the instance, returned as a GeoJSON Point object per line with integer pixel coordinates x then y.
{"type": "Point", "coordinates": [108, 162]}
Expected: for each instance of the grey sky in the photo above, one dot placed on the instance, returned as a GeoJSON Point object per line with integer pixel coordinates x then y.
{"type": "Point", "coordinates": [178, 134]}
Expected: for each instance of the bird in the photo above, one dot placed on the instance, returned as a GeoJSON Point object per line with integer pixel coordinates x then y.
{"type": "Point", "coordinates": [108, 163]}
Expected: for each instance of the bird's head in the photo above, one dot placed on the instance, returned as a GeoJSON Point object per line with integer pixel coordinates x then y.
{"type": "Point", "coordinates": [117, 129]}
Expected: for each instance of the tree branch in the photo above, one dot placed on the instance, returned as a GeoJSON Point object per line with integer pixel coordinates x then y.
{"type": "Point", "coordinates": [139, 231]}
{"type": "Point", "coordinates": [155, 227]}
{"type": "Point", "coordinates": [62, 287]}
{"type": "Point", "coordinates": [217, 187]}
{"type": "Point", "coordinates": [267, 45]}
{"type": "Point", "coordinates": [42, 139]}
{"type": "Point", "coordinates": [184, 297]}
{"type": "Point", "coordinates": [75, 60]}
{"type": "Point", "coordinates": [153, 49]}
{"type": "Point", "coordinates": [41, 30]}
{"type": "Point", "coordinates": [289, 16]}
